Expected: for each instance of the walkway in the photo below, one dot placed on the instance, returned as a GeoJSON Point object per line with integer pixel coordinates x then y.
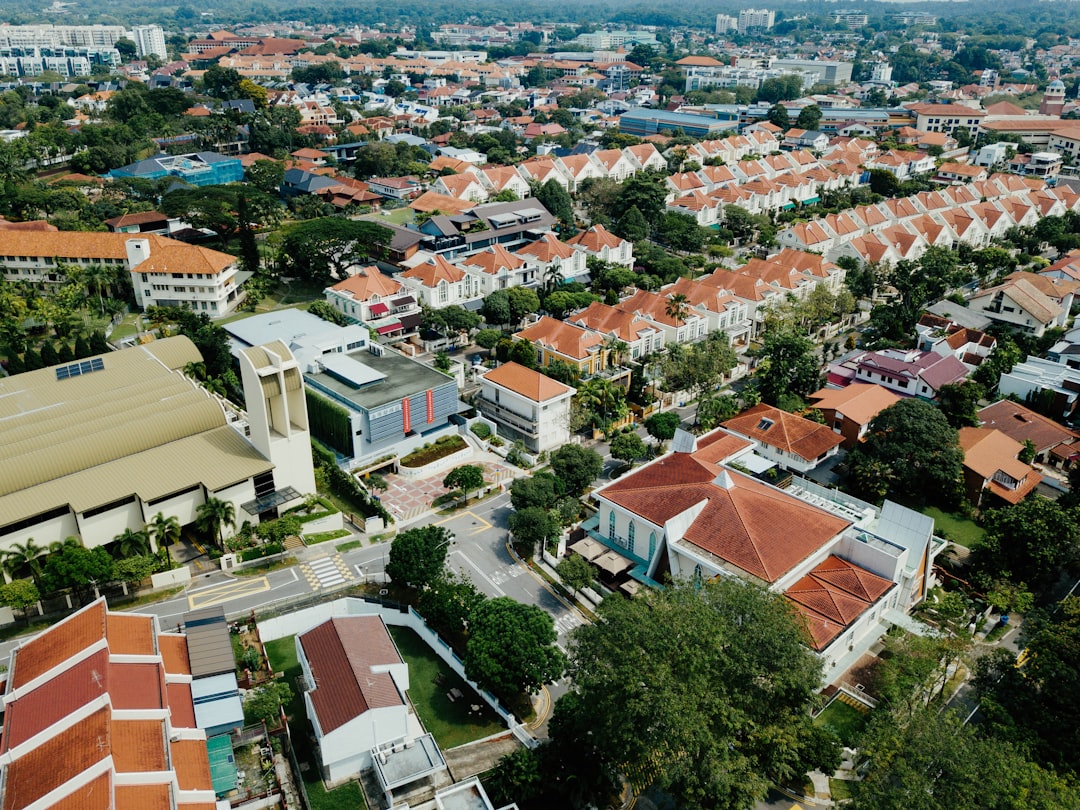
{"type": "Point", "coordinates": [408, 498]}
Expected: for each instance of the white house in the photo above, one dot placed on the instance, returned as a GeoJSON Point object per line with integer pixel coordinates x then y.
{"type": "Point", "coordinates": [354, 682]}
{"type": "Point", "coordinates": [527, 405]}
{"type": "Point", "coordinates": [598, 241]}
{"type": "Point", "coordinates": [437, 283]}
{"type": "Point", "coordinates": [794, 442]}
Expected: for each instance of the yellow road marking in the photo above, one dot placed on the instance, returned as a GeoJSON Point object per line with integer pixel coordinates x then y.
{"type": "Point", "coordinates": [226, 592]}
{"type": "Point", "coordinates": [545, 710]}
{"type": "Point", "coordinates": [473, 515]}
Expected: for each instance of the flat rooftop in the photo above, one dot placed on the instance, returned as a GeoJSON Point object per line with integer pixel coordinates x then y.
{"type": "Point", "coordinates": [398, 766]}
{"type": "Point", "coordinates": [403, 378]}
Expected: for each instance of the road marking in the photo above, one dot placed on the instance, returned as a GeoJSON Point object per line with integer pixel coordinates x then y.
{"type": "Point", "coordinates": [226, 592]}
{"type": "Point", "coordinates": [476, 518]}
{"type": "Point", "coordinates": [326, 572]}
{"type": "Point", "coordinates": [567, 623]}
{"type": "Point", "coordinates": [491, 582]}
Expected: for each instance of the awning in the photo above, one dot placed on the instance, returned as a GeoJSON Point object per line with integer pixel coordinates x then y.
{"type": "Point", "coordinates": [588, 548]}
{"type": "Point", "coordinates": [630, 588]}
{"type": "Point", "coordinates": [811, 200]}
{"type": "Point", "coordinates": [788, 206]}
{"type": "Point", "coordinates": [388, 328]}
{"type": "Point", "coordinates": [612, 562]}
{"type": "Point", "coordinates": [379, 309]}
{"type": "Point", "coordinates": [411, 321]}
{"type": "Point", "coordinates": [404, 301]}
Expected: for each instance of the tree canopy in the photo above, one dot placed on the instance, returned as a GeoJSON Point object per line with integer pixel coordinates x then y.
{"type": "Point", "coordinates": [417, 555]}
{"type": "Point", "coordinates": [511, 648]}
{"type": "Point", "coordinates": [912, 451]}
{"type": "Point", "coordinates": [788, 366]}
{"type": "Point", "coordinates": [1032, 542]}
{"type": "Point", "coordinates": [705, 686]}
{"type": "Point", "coordinates": [576, 466]}
{"type": "Point", "coordinates": [323, 250]}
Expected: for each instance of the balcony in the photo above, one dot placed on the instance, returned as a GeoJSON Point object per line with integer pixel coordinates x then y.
{"type": "Point", "coordinates": [508, 417]}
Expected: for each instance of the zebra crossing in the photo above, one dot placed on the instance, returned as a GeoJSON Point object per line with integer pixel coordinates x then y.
{"type": "Point", "coordinates": [500, 576]}
{"type": "Point", "coordinates": [327, 572]}
{"type": "Point", "coordinates": [567, 622]}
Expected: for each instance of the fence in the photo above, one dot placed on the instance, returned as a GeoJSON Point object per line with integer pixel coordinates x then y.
{"type": "Point", "coordinates": [300, 621]}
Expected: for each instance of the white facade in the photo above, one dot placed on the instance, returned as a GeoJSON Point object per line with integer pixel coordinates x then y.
{"type": "Point", "coordinates": [150, 39]}
{"type": "Point", "coordinates": [542, 422]}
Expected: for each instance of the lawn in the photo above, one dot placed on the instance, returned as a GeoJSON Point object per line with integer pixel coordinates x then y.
{"type": "Point", "coordinates": [954, 527]}
{"type": "Point", "coordinates": [451, 723]}
{"type": "Point", "coordinates": [845, 721]}
{"type": "Point", "coordinates": [282, 656]}
{"type": "Point", "coordinates": [840, 789]}
{"type": "Point", "coordinates": [399, 216]}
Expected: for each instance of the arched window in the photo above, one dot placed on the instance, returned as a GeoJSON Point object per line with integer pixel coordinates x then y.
{"type": "Point", "coordinates": [630, 538]}
{"type": "Point", "coordinates": [611, 525]}
{"type": "Point", "coordinates": [652, 544]}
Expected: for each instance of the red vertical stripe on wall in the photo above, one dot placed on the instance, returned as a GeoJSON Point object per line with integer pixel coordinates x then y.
{"type": "Point", "coordinates": [430, 405]}
{"type": "Point", "coordinates": [406, 417]}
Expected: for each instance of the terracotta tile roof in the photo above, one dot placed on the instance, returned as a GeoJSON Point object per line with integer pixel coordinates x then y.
{"type": "Point", "coordinates": [1054, 288]}
{"type": "Point", "coordinates": [528, 383]}
{"type": "Point", "coordinates": [435, 270]}
{"type": "Point", "coordinates": [596, 238]}
{"type": "Point", "coordinates": [546, 249]}
{"type": "Point", "coordinates": [137, 686]}
{"type": "Point", "coordinates": [493, 259]}
{"type": "Point", "coordinates": [130, 634]}
{"type": "Point", "coordinates": [174, 652]}
{"type": "Point", "coordinates": [718, 446]}
{"type": "Point", "coordinates": [368, 282]}
{"type": "Point", "coordinates": [181, 706]}
{"type": "Point", "coordinates": [67, 245]}
{"type": "Point", "coordinates": [1026, 295]}
{"type": "Point", "coordinates": [75, 633]}
{"type": "Point", "coordinates": [138, 745]}
{"type": "Point", "coordinates": [170, 256]}
{"type": "Point", "coordinates": [191, 761]}
{"type": "Point", "coordinates": [1020, 423]}
{"type": "Point", "coordinates": [609, 320]}
{"type": "Point", "coordinates": [987, 451]}
{"type": "Point", "coordinates": [859, 402]}
{"type": "Point", "coordinates": [833, 595]}
{"type": "Point", "coordinates": [341, 653]}
{"type": "Point", "coordinates": [784, 431]}
{"type": "Point", "coordinates": [458, 185]}
{"type": "Point", "coordinates": [95, 795]}
{"type": "Point", "coordinates": [57, 760]}
{"type": "Point", "coordinates": [569, 341]}
{"type": "Point", "coordinates": [60, 696]}
{"type": "Point", "coordinates": [32, 225]}
{"type": "Point", "coordinates": [144, 797]}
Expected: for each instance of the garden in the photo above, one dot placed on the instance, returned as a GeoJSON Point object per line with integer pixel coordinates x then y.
{"type": "Point", "coordinates": [843, 719]}
{"type": "Point", "coordinates": [440, 448]}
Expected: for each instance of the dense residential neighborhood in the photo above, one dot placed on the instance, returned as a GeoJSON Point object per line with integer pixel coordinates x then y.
{"type": "Point", "coordinates": [402, 407]}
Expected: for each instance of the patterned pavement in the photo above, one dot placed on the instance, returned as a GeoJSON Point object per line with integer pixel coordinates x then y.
{"type": "Point", "coordinates": [406, 498]}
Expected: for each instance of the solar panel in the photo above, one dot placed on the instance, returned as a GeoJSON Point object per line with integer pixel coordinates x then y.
{"type": "Point", "coordinates": [80, 368]}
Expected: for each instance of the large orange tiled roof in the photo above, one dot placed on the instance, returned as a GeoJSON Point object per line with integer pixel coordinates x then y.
{"type": "Point", "coordinates": [77, 632]}
{"type": "Point", "coordinates": [859, 402]}
{"type": "Point", "coordinates": [596, 238]}
{"type": "Point", "coordinates": [138, 746]}
{"type": "Point", "coordinates": [130, 634]}
{"type": "Point", "coordinates": [567, 340]}
{"type": "Point", "coordinates": [170, 256]}
{"type": "Point", "coordinates": [833, 595]}
{"type": "Point", "coordinates": [191, 761]}
{"type": "Point", "coordinates": [181, 706]}
{"type": "Point", "coordinates": [528, 383]}
{"type": "Point", "coordinates": [174, 653]}
{"type": "Point", "coordinates": [144, 797]}
{"type": "Point", "coordinates": [94, 795]}
{"type": "Point", "coordinates": [784, 431]}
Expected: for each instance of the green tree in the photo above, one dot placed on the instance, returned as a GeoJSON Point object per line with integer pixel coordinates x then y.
{"type": "Point", "coordinates": [913, 448]}
{"type": "Point", "coordinates": [628, 447]}
{"type": "Point", "coordinates": [936, 762]}
{"type": "Point", "coordinates": [263, 704]}
{"type": "Point", "coordinates": [467, 477]}
{"type": "Point", "coordinates": [523, 301]}
{"type": "Point", "coordinates": [960, 403]}
{"type": "Point", "coordinates": [487, 338]}
{"type": "Point", "coordinates": [632, 225]}
{"type": "Point", "coordinates": [78, 568]}
{"type": "Point", "coordinates": [418, 555]}
{"type": "Point", "coordinates": [21, 595]}
{"type": "Point", "coordinates": [323, 250]}
{"type": "Point", "coordinates": [711, 411]}
{"type": "Point", "coordinates": [680, 232]}
{"type": "Point", "coordinates": [644, 192]}
{"type": "Point", "coordinates": [133, 570]}
{"type": "Point", "coordinates": [1031, 541]}
{"type": "Point", "coordinates": [778, 115]}
{"type": "Point", "coordinates": [213, 517]}
{"type": "Point", "coordinates": [576, 466]}
{"type": "Point", "coordinates": [542, 490]}
{"type": "Point", "coordinates": [706, 687]}
{"type": "Point", "coordinates": [523, 352]}
{"type": "Point", "coordinates": [24, 557]}
{"type": "Point", "coordinates": [787, 366]}
{"type": "Point", "coordinates": [448, 604]}
{"type": "Point", "coordinates": [266, 175]}
{"type": "Point", "coordinates": [512, 649]}
{"type": "Point", "coordinates": [575, 572]}
{"type": "Point", "coordinates": [533, 528]}
{"type": "Point", "coordinates": [496, 309]}
{"type": "Point", "coordinates": [809, 117]}
{"type": "Point", "coordinates": [662, 426]}
{"type": "Point", "coordinates": [557, 200]}
{"type": "Point", "coordinates": [130, 543]}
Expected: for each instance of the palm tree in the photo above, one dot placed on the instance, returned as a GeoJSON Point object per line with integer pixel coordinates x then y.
{"type": "Point", "coordinates": [616, 350]}
{"type": "Point", "coordinates": [131, 543]}
{"type": "Point", "coordinates": [213, 516]}
{"type": "Point", "coordinates": [677, 307]}
{"type": "Point", "coordinates": [24, 555]}
{"type": "Point", "coordinates": [552, 278]}
{"type": "Point", "coordinates": [97, 277]}
{"type": "Point", "coordinates": [164, 530]}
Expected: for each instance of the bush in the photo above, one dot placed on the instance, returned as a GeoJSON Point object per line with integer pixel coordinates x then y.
{"type": "Point", "coordinates": [480, 429]}
{"type": "Point", "coordinates": [265, 550]}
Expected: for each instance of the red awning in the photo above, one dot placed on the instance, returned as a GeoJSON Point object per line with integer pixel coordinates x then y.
{"type": "Point", "coordinates": [390, 327]}
{"type": "Point", "coordinates": [379, 309]}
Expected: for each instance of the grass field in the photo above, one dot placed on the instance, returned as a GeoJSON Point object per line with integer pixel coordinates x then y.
{"type": "Point", "coordinates": [282, 656]}
{"type": "Point", "coordinates": [845, 721]}
{"type": "Point", "coordinates": [954, 527]}
{"type": "Point", "coordinates": [451, 722]}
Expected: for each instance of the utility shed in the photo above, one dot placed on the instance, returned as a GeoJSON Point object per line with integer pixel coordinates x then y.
{"type": "Point", "coordinates": [214, 690]}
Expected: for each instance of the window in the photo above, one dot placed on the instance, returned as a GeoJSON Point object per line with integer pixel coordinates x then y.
{"type": "Point", "coordinates": [652, 544]}
{"type": "Point", "coordinates": [630, 537]}
{"type": "Point", "coordinates": [611, 525]}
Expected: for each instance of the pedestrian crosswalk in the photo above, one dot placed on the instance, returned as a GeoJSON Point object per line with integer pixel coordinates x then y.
{"type": "Point", "coordinates": [327, 572]}
{"type": "Point", "coordinates": [508, 572]}
{"type": "Point", "coordinates": [566, 623]}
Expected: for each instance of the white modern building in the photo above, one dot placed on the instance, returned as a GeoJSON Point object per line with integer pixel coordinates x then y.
{"type": "Point", "coordinates": [150, 39]}
{"type": "Point", "coordinates": [755, 18]}
{"type": "Point", "coordinates": [527, 405]}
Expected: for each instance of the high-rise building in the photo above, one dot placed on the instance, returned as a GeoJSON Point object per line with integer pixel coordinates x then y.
{"type": "Point", "coordinates": [725, 23]}
{"type": "Point", "coordinates": [751, 18]}
{"type": "Point", "coordinates": [150, 39]}
{"type": "Point", "coordinates": [59, 36]}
